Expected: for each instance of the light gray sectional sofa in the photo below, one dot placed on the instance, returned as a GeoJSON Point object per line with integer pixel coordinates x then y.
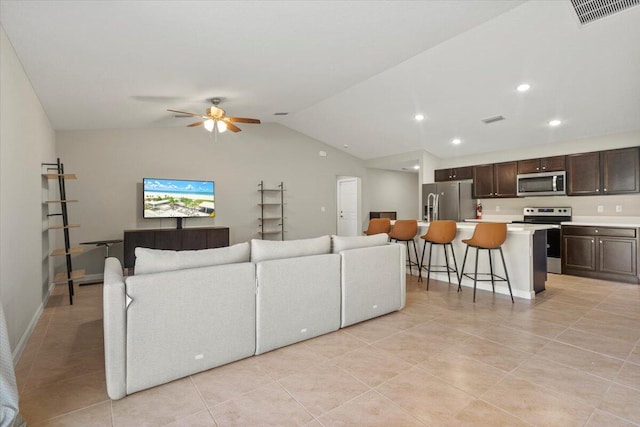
{"type": "Point", "coordinates": [189, 311]}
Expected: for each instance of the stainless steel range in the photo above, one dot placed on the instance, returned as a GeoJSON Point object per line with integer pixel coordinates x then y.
{"type": "Point", "coordinates": [553, 217]}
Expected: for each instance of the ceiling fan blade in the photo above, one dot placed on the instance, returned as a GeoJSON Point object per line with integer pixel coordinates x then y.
{"type": "Point", "coordinates": [188, 114]}
{"type": "Point", "coordinates": [242, 120]}
{"type": "Point", "coordinates": [192, 125]}
{"type": "Point", "coordinates": [232, 127]}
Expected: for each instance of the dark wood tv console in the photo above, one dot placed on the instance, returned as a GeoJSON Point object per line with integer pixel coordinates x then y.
{"type": "Point", "coordinates": [173, 239]}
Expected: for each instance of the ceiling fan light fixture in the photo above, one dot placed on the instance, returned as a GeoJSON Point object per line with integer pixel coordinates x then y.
{"type": "Point", "coordinates": [222, 126]}
{"type": "Point", "coordinates": [209, 124]}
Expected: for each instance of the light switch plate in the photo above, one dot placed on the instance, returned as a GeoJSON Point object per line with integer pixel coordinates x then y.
{"type": "Point", "coordinates": [600, 208]}
{"type": "Point", "coordinates": [618, 208]}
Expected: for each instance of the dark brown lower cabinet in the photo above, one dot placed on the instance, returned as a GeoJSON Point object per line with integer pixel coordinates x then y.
{"type": "Point", "coordinates": [608, 253]}
{"type": "Point", "coordinates": [173, 239]}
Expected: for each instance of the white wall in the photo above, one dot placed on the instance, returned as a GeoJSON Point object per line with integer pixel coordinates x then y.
{"type": "Point", "coordinates": [392, 191]}
{"type": "Point", "coordinates": [110, 165]}
{"type": "Point", "coordinates": [26, 140]}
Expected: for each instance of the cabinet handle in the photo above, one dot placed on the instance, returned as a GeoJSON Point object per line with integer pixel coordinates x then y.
{"type": "Point", "coordinates": [537, 169]}
{"type": "Point", "coordinates": [455, 176]}
{"type": "Point", "coordinates": [544, 167]}
{"type": "Point", "coordinates": [593, 241]}
{"type": "Point", "coordinates": [605, 189]}
{"type": "Point", "coordinates": [597, 189]}
{"type": "Point", "coordinates": [596, 231]}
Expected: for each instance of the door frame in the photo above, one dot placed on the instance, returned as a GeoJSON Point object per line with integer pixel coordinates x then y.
{"type": "Point", "coordinates": [342, 178]}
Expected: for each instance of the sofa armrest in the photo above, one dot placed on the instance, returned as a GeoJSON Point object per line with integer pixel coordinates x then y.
{"type": "Point", "coordinates": [373, 282]}
{"type": "Point", "coordinates": [115, 324]}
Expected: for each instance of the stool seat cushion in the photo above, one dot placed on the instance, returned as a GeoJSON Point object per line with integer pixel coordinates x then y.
{"type": "Point", "coordinates": [404, 229]}
{"type": "Point", "coordinates": [378, 226]}
{"type": "Point", "coordinates": [488, 235]}
{"type": "Point", "coordinates": [441, 232]}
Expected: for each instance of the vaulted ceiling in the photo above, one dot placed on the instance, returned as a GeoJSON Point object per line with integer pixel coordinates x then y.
{"type": "Point", "coordinates": [352, 74]}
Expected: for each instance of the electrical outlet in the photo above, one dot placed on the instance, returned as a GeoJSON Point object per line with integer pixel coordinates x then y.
{"type": "Point", "coordinates": [618, 208]}
{"type": "Point", "coordinates": [497, 208]}
{"type": "Point", "coordinates": [600, 208]}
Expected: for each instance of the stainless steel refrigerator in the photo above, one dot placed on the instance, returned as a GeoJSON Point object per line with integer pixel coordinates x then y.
{"type": "Point", "coordinates": [454, 201]}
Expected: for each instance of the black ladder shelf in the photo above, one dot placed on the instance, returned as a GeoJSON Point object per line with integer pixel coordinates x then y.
{"type": "Point", "coordinates": [55, 171]}
{"type": "Point", "coordinates": [271, 210]}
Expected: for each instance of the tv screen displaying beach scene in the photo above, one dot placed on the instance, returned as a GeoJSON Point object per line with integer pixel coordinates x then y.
{"type": "Point", "coordinates": [177, 198]}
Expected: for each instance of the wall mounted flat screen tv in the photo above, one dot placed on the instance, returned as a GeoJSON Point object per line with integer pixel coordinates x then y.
{"type": "Point", "coordinates": [178, 198]}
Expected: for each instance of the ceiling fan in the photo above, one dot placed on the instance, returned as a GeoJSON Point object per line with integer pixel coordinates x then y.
{"type": "Point", "coordinates": [216, 118]}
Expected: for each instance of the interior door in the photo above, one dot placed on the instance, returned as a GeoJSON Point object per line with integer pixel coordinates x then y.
{"type": "Point", "coordinates": [348, 207]}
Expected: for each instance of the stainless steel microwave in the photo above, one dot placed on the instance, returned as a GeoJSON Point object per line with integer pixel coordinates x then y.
{"type": "Point", "coordinates": [542, 184]}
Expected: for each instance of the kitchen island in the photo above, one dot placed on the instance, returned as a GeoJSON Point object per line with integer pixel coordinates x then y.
{"type": "Point", "coordinates": [525, 253]}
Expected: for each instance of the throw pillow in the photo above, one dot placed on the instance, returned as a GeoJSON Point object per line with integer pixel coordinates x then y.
{"type": "Point", "coordinates": [342, 243]}
{"type": "Point", "coordinates": [156, 260]}
{"type": "Point", "coordinates": [264, 250]}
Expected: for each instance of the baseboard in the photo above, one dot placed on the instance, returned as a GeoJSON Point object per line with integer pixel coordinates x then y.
{"type": "Point", "coordinates": [17, 352]}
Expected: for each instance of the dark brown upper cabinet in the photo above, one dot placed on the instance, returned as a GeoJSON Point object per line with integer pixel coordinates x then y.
{"type": "Point", "coordinates": [495, 180]}
{"type": "Point", "coordinates": [620, 170]}
{"type": "Point", "coordinates": [453, 174]}
{"type": "Point", "coordinates": [545, 164]}
{"type": "Point", "coordinates": [483, 182]}
{"type": "Point", "coordinates": [604, 172]}
{"type": "Point", "coordinates": [583, 174]}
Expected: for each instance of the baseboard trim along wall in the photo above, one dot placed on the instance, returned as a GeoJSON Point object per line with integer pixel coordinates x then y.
{"type": "Point", "coordinates": [17, 352]}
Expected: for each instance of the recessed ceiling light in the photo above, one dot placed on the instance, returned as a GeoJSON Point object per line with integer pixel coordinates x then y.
{"type": "Point", "coordinates": [555, 122]}
{"type": "Point", "coordinates": [345, 146]}
{"type": "Point", "coordinates": [523, 87]}
{"type": "Point", "coordinates": [456, 141]}
{"type": "Point", "coordinates": [419, 117]}
{"type": "Point", "coordinates": [416, 167]}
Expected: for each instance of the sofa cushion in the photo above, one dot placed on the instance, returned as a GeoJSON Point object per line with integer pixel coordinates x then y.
{"type": "Point", "coordinates": [264, 250]}
{"type": "Point", "coordinates": [342, 243]}
{"type": "Point", "coordinates": [156, 260]}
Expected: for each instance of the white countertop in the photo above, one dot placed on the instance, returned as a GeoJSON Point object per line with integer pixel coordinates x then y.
{"type": "Point", "coordinates": [603, 221]}
{"type": "Point", "coordinates": [511, 228]}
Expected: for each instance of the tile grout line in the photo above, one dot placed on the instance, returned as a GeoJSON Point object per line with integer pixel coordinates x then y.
{"type": "Point", "coordinates": [206, 406]}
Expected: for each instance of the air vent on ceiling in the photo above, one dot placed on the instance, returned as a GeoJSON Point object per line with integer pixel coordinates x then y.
{"type": "Point", "coordinates": [490, 120]}
{"type": "Point", "coordinates": [592, 10]}
{"type": "Point", "coordinates": [280, 114]}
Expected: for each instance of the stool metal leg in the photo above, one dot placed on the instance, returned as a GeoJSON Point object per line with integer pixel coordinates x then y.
{"type": "Point", "coordinates": [464, 260]}
{"type": "Point", "coordinates": [409, 258]}
{"type": "Point", "coordinates": [429, 268]}
{"type": "Point", "coordinates": [493, 283]}
{"type": "Point", "coordinates": [453, 254]}
{"type": "Point", "coordinates": [415, 251]}
{"type": "Point", "coordinates": [506, 274]}
{"type": "Point", "coordinates": [475, 276]}
{"type": "Point", "coordinates": [424, 248]}
{"type": "Point", "coordinates": [446, 260]}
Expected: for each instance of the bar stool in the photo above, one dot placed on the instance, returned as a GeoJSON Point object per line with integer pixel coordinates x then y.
{"type": "Point", "coordinates": [439, 233]}
{"type": "Point", "coordinates": [489, 236]}
{"type": "Point", "coordinates": [405, 230]}
{"type": "Point", "coordinates": [378, 226]}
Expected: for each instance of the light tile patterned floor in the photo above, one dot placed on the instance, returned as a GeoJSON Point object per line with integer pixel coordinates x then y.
{"type": "Point", "coordinates": [571, 357]}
